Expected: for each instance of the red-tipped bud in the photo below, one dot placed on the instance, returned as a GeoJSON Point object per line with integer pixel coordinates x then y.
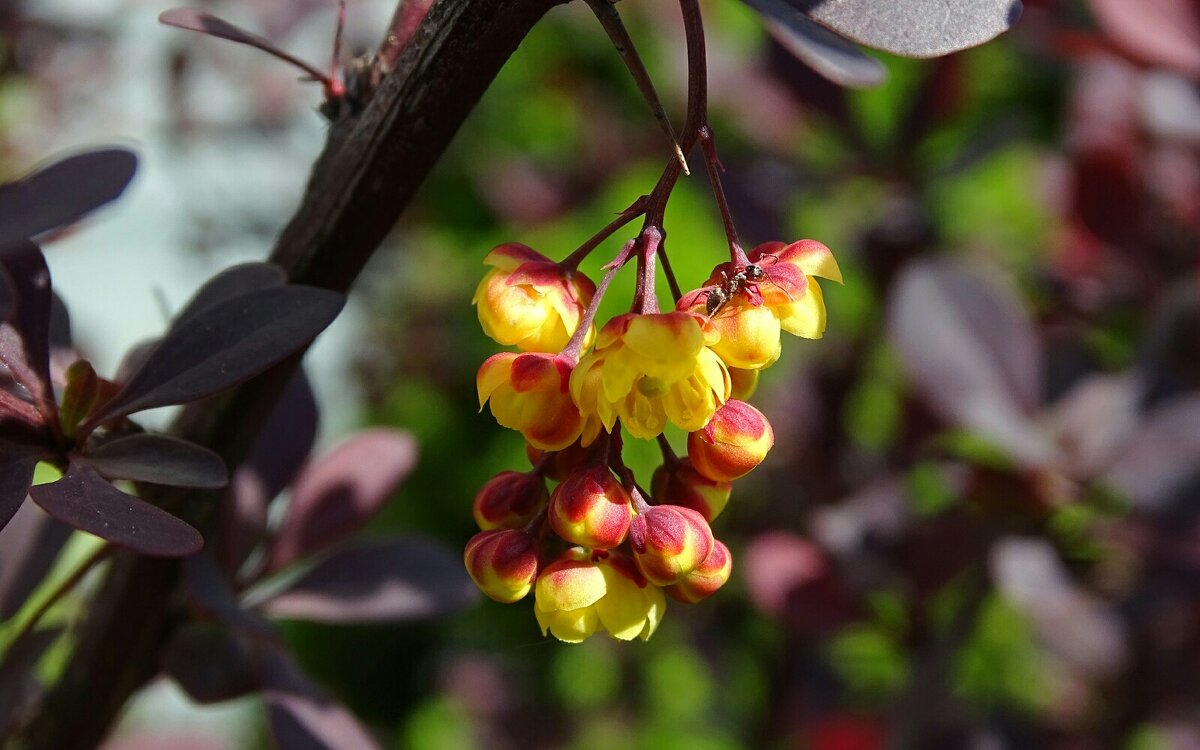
{"type": "Point", "coordinates": [503, 563]}
{"type": "Point", "coordinates": [678, 483]}
{"type": "Point", "coordinates": [563, 463]}
{"type": "Point", "coordinates": [669, 542]}
{"type": "Point", "coordinates": [591, 508]}
{"type": "Point", "coordinates": [704, 581]}
{"type": "Point", "coordinates": [510, 500]}
{"type": "Point", "coordinates": [734, 441]}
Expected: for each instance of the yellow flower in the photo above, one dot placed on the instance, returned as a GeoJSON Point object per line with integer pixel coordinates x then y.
{"type": "Point", "coordinates": [647, 370]}
{"type": "Point", "coordinates": [787, 298]}
{"type": "Point", "coordinates": [529, 301]}
{"type": "Point", "coordinates": [529, 394]}
{"type": "Point", "coordinates": [583, 592]}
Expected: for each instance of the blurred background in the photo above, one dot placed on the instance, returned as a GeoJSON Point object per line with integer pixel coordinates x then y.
{"type": "Point", "coordinates": [980, 524]}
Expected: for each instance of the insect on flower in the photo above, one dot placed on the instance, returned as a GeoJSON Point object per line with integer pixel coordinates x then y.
{"type": "Point", "coordinates": [732, 285]}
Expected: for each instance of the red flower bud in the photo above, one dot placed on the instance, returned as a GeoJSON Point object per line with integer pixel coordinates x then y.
{"type": "Point", "coordinates": [734, 441]}
{"type": "Point", "coordinates": [669, 542]}
{"type": "Point", "coordinates": [509, 500]}
{"type": "Point", "coordinates": [704, 581]}
{"type": "Point", "coordinates": [591, 508]}
{"type": "Point", "coordinates": [503, 563]}
{"type": "Point", "coordinates": [679, 483]}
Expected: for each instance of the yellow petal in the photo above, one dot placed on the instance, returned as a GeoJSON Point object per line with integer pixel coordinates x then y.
{"type": "Point", "coordinates": [806, 316]}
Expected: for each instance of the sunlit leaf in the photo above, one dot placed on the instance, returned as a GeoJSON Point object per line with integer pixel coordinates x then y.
{"type": "Point", "coordinates": [224, 344]}
{"type": "Point", "coordinates": [824, 51]}
{"type": "Point", "coordinates": [62, 193]}
{"type": "Point", "coordinates": [915, 28]}
{"type": "Point", "coordinates": [84, 500]}
{"type": "Point", "coordinates": [1161, 454]}
{"type": "Point", "coordinates": [379, 581]}
{"type": "Point", "coordinates": [159, 459]}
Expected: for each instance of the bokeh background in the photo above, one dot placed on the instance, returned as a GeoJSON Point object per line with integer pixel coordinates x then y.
{"type": "Point", "coordinates": [980, 524]}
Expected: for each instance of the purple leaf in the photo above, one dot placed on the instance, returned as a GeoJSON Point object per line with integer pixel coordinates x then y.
{"type": "Point", "coordinates": [283, 446]}
{"type": "Point", "coordinates": [915, 28]}
{"type": "Point", "coordinates": [824, 51]}
{"type": "Point", "coordinates": [206, 23]}
{"type": "Point", "coordinates": [302, 716]}
{"type": "Point", "coordinates": [29, 545]}
{"type": "Point", "coordinates": [8, 295]}
{"type": "Point", "coordinates": [16, 474]}
{"type": "Point", "coordinates": [340, 492]}
{"type": "Point", "coordinates": [286, 440]}
{"type": "Point", "coordinates": [1092, 421]}
{"type": "Point", "coordinates": [27, 269]}
{"type": "Point", "coordinates": [1162, 453]}
{"type": "Point", "coordinates": [247, 277]}
{"type": "Point", "coordinates": [225, 344]}
{"type": "Point", "coordinates": [85, 501]}
{"type": "Point", "coordinates": [214, 594]}
{"type": "Point", "coordinates": [17, 679]}
{"type": "Point", "coordinates": [1164, 33]}
{"type": "Point", "coordinates": [62, 193]}
{"type": "Point", "coordinates": [973, 353]}
{"type": "Point", "coordinates": [379, 581]}
{"type": "Point", "coordinates": [159, 459]}
{"type": "Point", "coordinates": [211, 663]}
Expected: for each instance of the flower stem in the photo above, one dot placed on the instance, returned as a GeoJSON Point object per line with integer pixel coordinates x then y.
{"type": "Point", "coordinates": [636, 209]}
{"type": "Point", "coordinates": [574, 347]}
{"type": "Point", "coordinates": [712, 163]}
{"type": "Point", "coordinates": [606, 13]}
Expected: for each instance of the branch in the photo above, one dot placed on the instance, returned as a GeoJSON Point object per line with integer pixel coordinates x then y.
{"type": "Point", "coordinates": [366, 176]}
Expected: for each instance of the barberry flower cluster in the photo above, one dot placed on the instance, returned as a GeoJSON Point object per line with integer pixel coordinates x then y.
{"type": "Point", "coordinates": [599, 551]}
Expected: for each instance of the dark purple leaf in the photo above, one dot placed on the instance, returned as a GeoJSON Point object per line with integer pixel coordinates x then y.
{"type": "Point", "coordinates": [379, 581]}
{"type": "Point", "coordinates": [84, 500]}
{"type": "Point", "coordinates": [159, 459]}
{"type": "Point", "coordinates": [230, 283]}
{"type": "Point", "coordinates": [972, 351]}
{"type": "Point", "coordinates": [283, 446]}
{"type": "Point", "coordinates": [1163, 33]}
{"type": "Point", "coordinates": [286, 440]}
{"type": "Point", "coordinates": [206, 23]}
{"type": "Point", "coordinates": [16, 474]}
{"type": "Point", "coordinates": [211, 663]}
{"type": "Point", "coordinates": [915, 28]}
{"type": "Point", "coordinates": [63, 192]}
{"type": "Point", "coordinates": [826, 52]}
{"type": "Point", "coordinates": [17, 679]}
{"type": "Point", "coordinates": [302, 716]}
{"type": "Point", "coordinates": [29, 545]}
{"type": "Point", "coordinates": [1163, 452]}
{"type": "Point", "coordinates": [225, 344]}
{"type": "Point", "coordinates": [213, 593]}
{"type": "Point", "coordinates": [8, 295]}
{"type": "Point", "coordinates": [27, 269]}
{"type": "Point", "coordinates": [340, 492]}
{"type": "Point", "coordinates": [20, 422]}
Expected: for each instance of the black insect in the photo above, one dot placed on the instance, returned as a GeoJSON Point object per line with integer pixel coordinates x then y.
{"type": "Point", "coordinates": [731, 285]}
